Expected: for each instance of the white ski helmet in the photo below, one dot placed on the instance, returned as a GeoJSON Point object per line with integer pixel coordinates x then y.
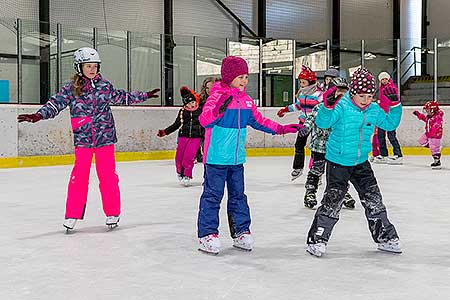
{"type": "Point", "coordinates": [85, 55]}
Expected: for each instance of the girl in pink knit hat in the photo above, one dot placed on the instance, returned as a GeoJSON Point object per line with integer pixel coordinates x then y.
{"type": "Point", "coordinates": [226, 114]}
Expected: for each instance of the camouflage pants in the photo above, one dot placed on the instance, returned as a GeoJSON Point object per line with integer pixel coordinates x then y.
{"type": "Point", "coordinates": [365, 183]}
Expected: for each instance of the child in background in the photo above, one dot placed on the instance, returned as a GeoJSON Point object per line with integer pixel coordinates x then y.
{"type": "Point", "coordinates": [354, 115]}
{"type": "Point", "coordinates": [226, 115]}
{"type": "Point", "coordinates": [189, 134]}
{"type": "Point", "coordinates": [89, 97]}
{"type": "Point", "coordinates": [317, 145]}
{"type": "Point", "coordinates": [329, 75]}
{"type": "Point", "coordinates": [433, 130]}
{"type": "Point", "coordinates": [308, 96]}
{"type": "Point", "coordinates": [383, 158]}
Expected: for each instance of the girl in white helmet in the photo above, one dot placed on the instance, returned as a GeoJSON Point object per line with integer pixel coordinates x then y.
{"type": "Point", "coordinates": [89, 96]}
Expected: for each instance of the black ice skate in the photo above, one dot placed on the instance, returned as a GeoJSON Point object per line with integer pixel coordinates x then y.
{"type": "Point", "coordinates": [436, 165]}
{"type": "Point", "coordinates": [349, 202]}
{"type": "Point", "coordinates": [310, 199]}
{"type": "Point", "coordinates": [112, 222]}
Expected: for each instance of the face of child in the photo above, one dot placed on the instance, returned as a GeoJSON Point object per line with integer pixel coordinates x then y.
{"type": "Point", "coordinates": [208, 87]}
{"type": "Point", "coordinates": [304, 83]}
{"type": "Point", "coordinates": [428, 112]}
{"type": "Point", "coordinates": [362, 100]}
{"type": "Point", "coordinates": [89, 69]}
{"type": "Point", "coordinates": [384, 81]}
{"type": "Point", "coordinates": [240, 82]}
{"type": "Point", "coordinates": [191, 106]}
{"type": "Point", "coordinates": [328, 79]}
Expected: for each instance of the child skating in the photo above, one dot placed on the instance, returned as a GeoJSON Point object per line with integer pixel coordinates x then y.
{"type": "Point", "coordinates": [190, 134]}
{"type": "Point", "coordinates": [89, 97]}
{"type": "Point", "coordinates": [433, 130]}
{"type": "Point", "coordinates": [226, 115]}
{"type": "Point", "coordinates": [317, 145]}
{"type": "Point", "coordinates": [308, 96]}
{"type": "Point", "coordinates": [354, 115]}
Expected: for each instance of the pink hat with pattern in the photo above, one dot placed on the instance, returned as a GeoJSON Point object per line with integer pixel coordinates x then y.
{"type": "Point", "coordinates": [362, 82]}
{"type": "Point", "coordinates": [232, 67]}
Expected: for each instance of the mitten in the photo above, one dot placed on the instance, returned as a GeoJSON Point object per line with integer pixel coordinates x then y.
{"type": "Point", "coordinates": [152, 93]}
{"type": "Point", "coordinates": [283, 111]}
{"type": "Point", "coordinates": [161, 133]}
{"type": "Point", "coordinates": [222, 104]}
{"type": "Point", "coordinates": [289, 128]}
{"type": "Point", "coordinates": [330, 99]}
{"type": "Point", "coordinates": [33, 118]}
{"type": "Point", "coordinates": [391, 94]}
{"type": "Point", "coordinates": [416, 113]}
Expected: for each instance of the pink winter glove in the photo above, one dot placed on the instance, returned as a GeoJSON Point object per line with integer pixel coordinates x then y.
{"type": "Point", "coordinates": [329, 98]}
{"type": "Point", "coordinates": [289, 128]}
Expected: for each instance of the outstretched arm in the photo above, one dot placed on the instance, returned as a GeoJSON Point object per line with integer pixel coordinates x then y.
{"type": "Point", "coordinates": [122, 97]}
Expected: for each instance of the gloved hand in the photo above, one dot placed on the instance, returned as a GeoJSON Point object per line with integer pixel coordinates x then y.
{"type": "Point", "coordinates": [161, 133]}
{"type": "Point", "coordinates": [416, 113]}
{"type": "Point", "coordinates": [289, 128]}
{"type": "Point", "coordinates": [222, 104]}
{"type": "Point", "coordinates": [391, 94]}
{"type": "Point", "coordinates": [330, 99]}
{"type": "Point", "coordinates": [152, 93]}
{"type": "Point", "coordinates": [283, 111]}
{"type": "Point", "coordinates": [33, 118]}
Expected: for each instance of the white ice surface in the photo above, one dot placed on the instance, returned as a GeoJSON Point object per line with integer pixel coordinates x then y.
{"type": "Point", "coordinates": [153, 253]}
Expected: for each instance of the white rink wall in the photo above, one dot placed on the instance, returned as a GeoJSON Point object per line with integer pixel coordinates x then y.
{"type": "Point", "coordinates": [137, 128]}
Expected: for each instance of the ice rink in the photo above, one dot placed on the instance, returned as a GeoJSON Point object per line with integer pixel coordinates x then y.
{"type": "Point", "coordinates": [153, 253]}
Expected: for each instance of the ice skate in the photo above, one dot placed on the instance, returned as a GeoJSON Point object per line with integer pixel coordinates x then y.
{"type": "Point", "coordinates": [318, 249]}
{"type": "Point", "coordinates": [180, 178]}
{"type": "Point", "coordinates": [349, 202]}
{"type": "Point", "coordinates": [310, 199]}
{"type": "Point", "coordinates": [244, 241]}
{"type": "Point", "coordinates": [69, 224]}
{"type": "Point", "coordinates": [296, 173]}
{"type": "Point", "coordinates": [320, 181]}
{"type": "Point", "coordinates": [436, 165]}
{"type": "Point", "coordinates": [380, 159]}
{"type": "Point", "coordinates": [393, 246]}
{"type": "Point", "coordinates": [112, 221]}
{"type": "Point", "coordinates": [186, 181]}
{"type": "Point", "coordinates": [210, 244]}
{"type": "Point", "coordinates": [394, 160]}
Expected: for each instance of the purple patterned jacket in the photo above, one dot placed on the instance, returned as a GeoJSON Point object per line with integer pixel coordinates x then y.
{"type": "Point", "coordinates": [91, 115]}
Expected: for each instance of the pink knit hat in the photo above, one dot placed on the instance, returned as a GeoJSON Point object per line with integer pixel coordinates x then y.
{"type": "Point", "coordinates": [232, 67]}
{"type": "Point", "coordinates": [362, 82]}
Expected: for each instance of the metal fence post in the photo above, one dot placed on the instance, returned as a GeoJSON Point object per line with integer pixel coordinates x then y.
{"type": "Point", "coordinates": [59, 40]}
{"type": "Point", "coordinates": [260, 77]}
{"type": "Point", "coordinates": [162, 53]}
{"type": "Point", "coordinates": [398, 66]}
{"type": "Point", "coordinates": [227, 46]}
{"type": "Point", "coordinates": [194, 66]}
{"type": "Point", "coordinates": [128, 60]}
{"type": "Point", "coordinates": [362, 52]}
{"type": "Point", "coordinates": [294, 70]}
{"type": "Point", "coordinates": [435, 69]}
{"type": "Point", "coordinates": [328, 54]}
{"type": "Point", "coordinates": [19, 61]}
{"type": "Point", "coordinates": [94, 38]}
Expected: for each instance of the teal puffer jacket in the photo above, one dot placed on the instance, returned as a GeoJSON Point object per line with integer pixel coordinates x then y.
{"type": "Point", "coordinates": [349, 143]}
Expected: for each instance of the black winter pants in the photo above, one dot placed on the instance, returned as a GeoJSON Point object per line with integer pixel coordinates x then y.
{"type": "Point", "coordinates": [365, 183]}
{"type": "Point", "coordinates": [299, 157]}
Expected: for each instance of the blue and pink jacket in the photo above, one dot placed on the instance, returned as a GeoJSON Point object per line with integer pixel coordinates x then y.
{"type": "Point", "coordinates": [91, 115]}
{"type": "Point", "coordinates": [225, 134]}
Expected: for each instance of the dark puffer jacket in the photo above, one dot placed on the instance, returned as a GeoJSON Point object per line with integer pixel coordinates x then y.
{"type": "Point", "coordinates": [189, 123]}
{"type": "Point", "coordinates": [91, 115]}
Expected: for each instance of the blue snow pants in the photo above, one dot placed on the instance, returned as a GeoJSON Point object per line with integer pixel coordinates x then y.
{"type": "Point", "coordinates": [213, 190]}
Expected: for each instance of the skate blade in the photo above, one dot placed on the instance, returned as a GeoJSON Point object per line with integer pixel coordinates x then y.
{"type": "Point", "coordinates": [208, 252]}
{"type": "Point", "coordinates": [112, 226]}
{"type": "Point", "coordinates": [436, 168]}
{"type": "Point", "coordinates": [390, 251]}
{"type": "Point", "coordinates": [318, 254]}
{"type": "Point", "coordinates": [242, 249]}
{"type": "Point", "coordinates": [68, 230]}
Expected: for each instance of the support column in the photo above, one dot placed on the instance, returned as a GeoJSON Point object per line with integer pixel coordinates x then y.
{"type": "Point", "coordinates": [335, 33]}
{"type": "Point", "coordinates": [169, 45]}
{"type": "Point", "coordinates": [44, 50]}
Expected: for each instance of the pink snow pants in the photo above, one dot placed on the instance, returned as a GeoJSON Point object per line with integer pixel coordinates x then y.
{"type": "Point", "coordinates": [375, 143]}
{"type": "Point", "coordinates": [105, 165]}
{"type": "Point", "coordinates": [434, 144]}
{"type": "Point", "coordinates": [186, 151]}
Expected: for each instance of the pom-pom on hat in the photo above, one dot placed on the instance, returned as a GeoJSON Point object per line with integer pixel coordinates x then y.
{"type": "Point", "coordinates": [188, 95]}
{"type": "Point", "coordinates": [384, 75]}
{"type": "Point", "coordinates": [232, 67]}
{"type": "Point", "coordinates": [307, 74]}
{"type": "Point", "coordinates": [362, 82]}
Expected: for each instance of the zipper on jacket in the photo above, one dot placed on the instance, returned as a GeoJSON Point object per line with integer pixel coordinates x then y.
{"type": "Point", "coordinates": [190, 126]}
{"type": "Point", "coordinates": [360, 138]}
{"type": "Point", "coordinates": [239, 128]}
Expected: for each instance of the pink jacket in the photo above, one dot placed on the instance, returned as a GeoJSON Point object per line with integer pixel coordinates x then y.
{"type": "Point", "coordinates": [384, 102]}
{"type": "Point", "coordinates": [433, 124]}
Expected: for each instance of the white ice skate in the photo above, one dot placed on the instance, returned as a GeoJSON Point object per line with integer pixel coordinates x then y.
{"type": "Point", "coordinates": [186, 181]}
{"type": "Point", "coordinates": [318, 249]}
{"type": "Point", "coordinates": [180, 178]}
{"type": "Point", "coordinates": [244, 241]}
{"type": "Point", "coordinates": [69, 224]}
{"type": "Point", "coordinates": [380, 159]}
{"type": "Point", "coordinates": [394, 160]}
{"type": "Point", "coordinates": [296, 173]}
{"type": "Point", "coordinates": [393, 246]}
{"type": "Point", "coordinates": [112, 221]}
{"type": "Point", "coordinates": [210, 244]}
